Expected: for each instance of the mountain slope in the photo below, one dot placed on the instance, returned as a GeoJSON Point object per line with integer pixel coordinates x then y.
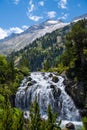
{"type": "Point", "coordinates": [76, 19]}
{"type": "Point", "coordinates": [18, 42]}
{"type": "Point", "coordinates": [44, 52]}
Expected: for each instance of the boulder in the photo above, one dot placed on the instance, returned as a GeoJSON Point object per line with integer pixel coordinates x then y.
{"type": "Point", "coordinates": [70, 126]}
{"type": "Point", "coordinates": [30, 83]}
{"type": "Point", "coordinates": [56, 91]}
{"type": "Point", "coordinates": [50, 75]}
{"type": "Point", "coordinates": [29, 78]}
{"type": "Point", "coordinates": [55, 79]}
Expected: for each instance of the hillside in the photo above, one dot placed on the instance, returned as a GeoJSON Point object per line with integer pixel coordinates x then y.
{"type": "Point", "coordinates": [16, 42]}
{"type": "Point", "coordinates": [44, 52]}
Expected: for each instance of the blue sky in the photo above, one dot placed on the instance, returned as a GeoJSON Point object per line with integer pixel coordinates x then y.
{"type": "Point", "coordinates": [18, 15]}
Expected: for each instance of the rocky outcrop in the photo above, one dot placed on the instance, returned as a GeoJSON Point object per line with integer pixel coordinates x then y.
{"type": "Point", "coordinates": [77, 92]}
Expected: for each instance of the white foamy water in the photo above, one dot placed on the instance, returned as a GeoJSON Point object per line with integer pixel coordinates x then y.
{"type": "Point", "coordinates": [47, 91]}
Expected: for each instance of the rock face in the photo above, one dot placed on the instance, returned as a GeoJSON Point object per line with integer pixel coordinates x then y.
{"type": "Point", "coordinates": [78, 94]}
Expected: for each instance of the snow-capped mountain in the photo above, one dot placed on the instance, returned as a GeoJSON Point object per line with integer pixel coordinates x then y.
{"type": "Point", "coordinates": [79, 18]}
{"type": "Point", "coordinates": [17, 42]}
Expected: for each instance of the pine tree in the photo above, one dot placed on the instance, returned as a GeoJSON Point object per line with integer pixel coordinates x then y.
{"type": "Point", "coordinates": [35, 119]}
{"type": "Point", "coordinates": [51, 122]}
{"type": "Point", "coordinates": [84, 120]}
{"type": "Point", "coordinates": [77, 42]}
{"type": "Point", "coordinates": [7, 119]}
{"type": "Point", "coordinates": [12, 68]}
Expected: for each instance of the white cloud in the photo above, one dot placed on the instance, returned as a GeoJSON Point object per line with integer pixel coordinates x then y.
{"type": "Point", "coordinates": [6, 32]}
{"type": "Point", "coordinates": [31, 6]}
{"type": "Point", "coordinates": [64, 16]}
{"type": "Point", "coordinates": [41, 3]}
{"type": "Point", "coordinates": [51, 14]}
{"type": "Point", "coordinates": [3, 33]}
{"type": "Point", "coordinates": [16, 1]}
{"type": "Point", "coordinates": [31, 10]}
{"type": "Point", "coordinates": [34, 17]}
{"type": "Point", "coordinates": [62, 4]}
{"type": "Point", "coordinates": [14, 30]}
{"type": "Point", "coordinates": [24, 27]}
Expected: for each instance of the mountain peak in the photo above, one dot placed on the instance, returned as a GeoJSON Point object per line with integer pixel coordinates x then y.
{"type": "Point", "coordinates": [80, 17]}
{"type": "Point", "coordinates": [52, 21]}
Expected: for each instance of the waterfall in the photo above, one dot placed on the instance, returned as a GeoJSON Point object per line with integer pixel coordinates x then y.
{"type": "Point", "coordinates": [49, 89]}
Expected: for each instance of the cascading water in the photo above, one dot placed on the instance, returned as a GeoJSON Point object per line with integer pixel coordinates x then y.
{"type": "Point", "coordinates": [49, 89]}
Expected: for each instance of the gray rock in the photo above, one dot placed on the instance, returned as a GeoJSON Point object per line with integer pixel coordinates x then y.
{"type": "Point", "coordinates": [70, 126]}
{"type": "Point", "coordinates": [55, 79]}
{"type": "Point", "coordinates": [50, 75]}
{"type": "Point", "coordinates": [30, 83]}
{"type": "Point", "coordinates": [29, 78]}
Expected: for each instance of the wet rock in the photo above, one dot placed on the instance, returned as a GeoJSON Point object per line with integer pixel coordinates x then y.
{"type": "Point", "coordinates": [63, 74]}
{"type": "Point", "coordinates": [70, 126]}
{"type": "Point", "coordinates": [76, 91]}
{"type": "Point", "coordinates": [29, 78]}
{"type": "Point", "coordinates": [50, 75]}
{"type": "Point", "coordinates": [52, 86]}
{"type": "Point", "coordinates": [43, 73]}
{"type": "Point", "coordinates": [55, 79]}
{"type": "Point", "coordinates": [56, 91]}
{"type": "Point", "coordinates": [31, 83]}
{"type": "Point", "coordinates": [56, 94]}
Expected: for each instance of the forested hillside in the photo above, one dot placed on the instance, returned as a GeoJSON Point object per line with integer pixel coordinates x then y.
{"type": "Point", "coordinates": [75, 59]}
{"type": "Point", "coordinates": [45, 52]}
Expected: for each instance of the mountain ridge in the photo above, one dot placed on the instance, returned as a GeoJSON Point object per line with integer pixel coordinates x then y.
{"type": "Point", "coordinates": [19, 41]}
{"type": "Point", "coordinates": [16, 42]}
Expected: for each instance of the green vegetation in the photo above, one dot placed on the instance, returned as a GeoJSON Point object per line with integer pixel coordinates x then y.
{"type": "Point", "coordinates": [10, 78]}
{"type": "Point", "coordinates": [12, 118]}
{"type": "Point", "coordinates": [84, 123]}
{"type": "Point", "coordinates": [75, 55]}
{"type": "Point", "coordinates": [75, 60]}
{"type": "Point", "coordinates": [36, 123]}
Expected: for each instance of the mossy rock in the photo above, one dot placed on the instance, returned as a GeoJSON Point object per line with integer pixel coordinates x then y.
{"type": "Point", "coordinates": [55, 79]}
{"type": "Point", "coordinates": [30, 83]}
